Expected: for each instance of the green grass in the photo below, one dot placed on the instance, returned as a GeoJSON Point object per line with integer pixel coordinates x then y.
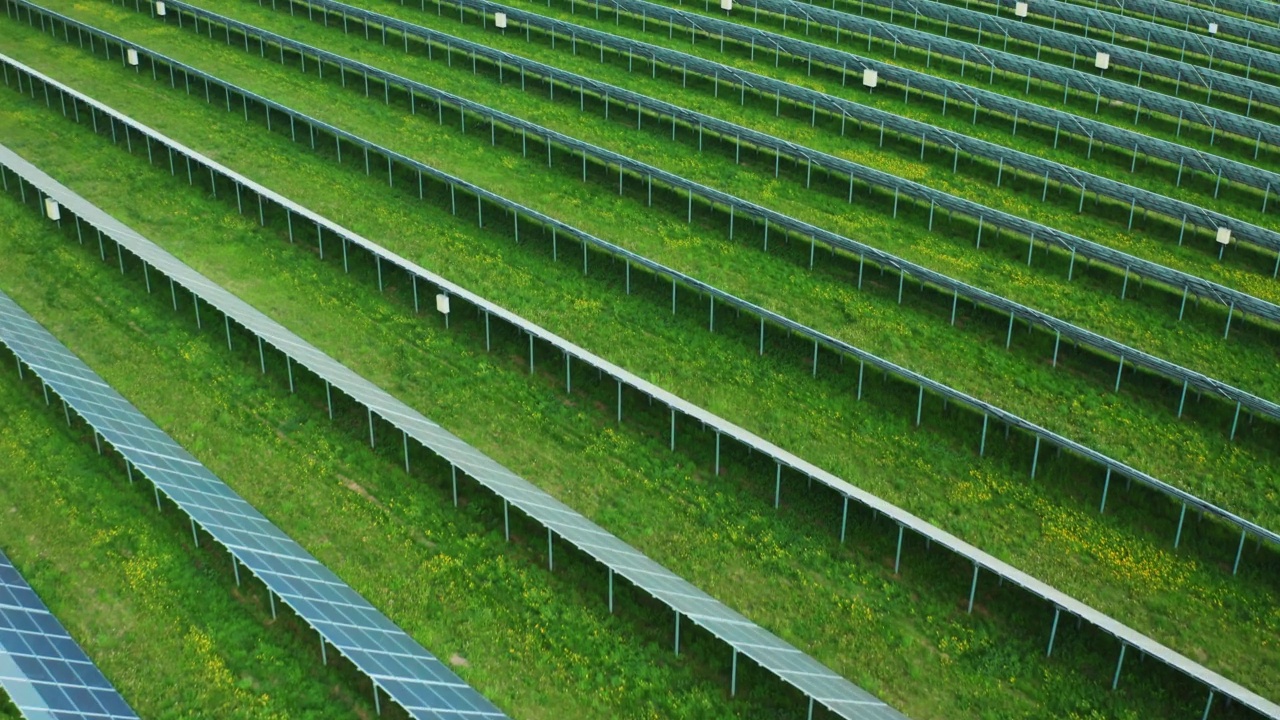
{"type": "Point", "coordinates": [1132, 574]}
{"type": "Point", "coordinates": [1142, 433]}
{"type": "Point", "coordinates": [163, 620]}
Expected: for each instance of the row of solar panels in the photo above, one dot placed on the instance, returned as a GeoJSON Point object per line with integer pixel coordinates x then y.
{"type": "Point", "coordinates": [718, 296]}
{"type": "Point", "coordinates": [801, 230]}
{"type": "Point", "coordinates": [1061, 602]}
{"type": "Point", "coordinates": [407, 673]}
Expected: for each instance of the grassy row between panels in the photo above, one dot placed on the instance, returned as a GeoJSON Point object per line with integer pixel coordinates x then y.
{"type": "Point", "coordinates": [721, 356]}
{"type": "Point", "coordinates": [161, 618]}
{"type": "Point", "coordinates": [978, 180]}
{"type": "Point", "coordinates": [891, 636]}
{"type": "Point", "coordinates": [1107, 422]}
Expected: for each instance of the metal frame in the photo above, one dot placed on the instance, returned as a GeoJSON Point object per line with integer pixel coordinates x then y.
{"type": "Point", "coordinates": [1060, 602]}
{"type": "Point", "coordinates": [789, 664]}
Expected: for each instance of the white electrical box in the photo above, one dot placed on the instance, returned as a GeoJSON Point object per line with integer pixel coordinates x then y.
{"type": "Point", "coordinates": [1102, 61]}
{"type": "Point", "coordinates": [160, 10]}
{"type": "Point", "coordinates": [870, 77]}
{"type": "Point", "coordinates": [52, 209]}
{"type": "Point", "coordinates": [1020, 9]}
{"type": "Point", "coordinates": [132, 56]}
{"type": "Point", "coordinates": [500, 20]}
{"type": "Point", "coordinates": [442, 304]}
{"type": "Point", "coordinates": [1224, 236]}
{"type": "Point", "coordinates": [726, 4]}
{"type": "Point", "coordinates": [1213, 28]}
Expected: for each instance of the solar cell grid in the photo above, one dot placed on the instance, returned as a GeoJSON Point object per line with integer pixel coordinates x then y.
{"type": "Point", "coordinates": [43, 670]}
{"type": "Point", "coordinates": [412, 677]}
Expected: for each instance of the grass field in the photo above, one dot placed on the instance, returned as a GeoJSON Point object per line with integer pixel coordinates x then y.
{"type": "Point", "coordinates": [981, 648]}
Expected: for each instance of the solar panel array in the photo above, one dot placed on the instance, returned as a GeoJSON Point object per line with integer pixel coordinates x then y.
{"type": "Point", "coordinates": [409, 674]}
{"type": "Point", "coordinates": [412, 677]}
{"type": "Point", "coordinates": [1060, 601]}
{"type": "Point", "coordinates": [1112, 466]}
{"type": "Point", "coordinates": [42, 669]}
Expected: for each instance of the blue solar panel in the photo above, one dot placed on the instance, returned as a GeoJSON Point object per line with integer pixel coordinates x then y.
{"type": "Point", "coordinates": [411, 676]}
{"type": "Point", "coordinates": [43, 670]}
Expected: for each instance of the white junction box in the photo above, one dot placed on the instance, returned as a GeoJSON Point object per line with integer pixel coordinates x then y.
{"type": "Point", "coordinates": [1020, 9]}
{"type": "Point", "coordinates": [52, 209]}
{"type": "Point", "coordinates": [870, 77]}
{"type": "Point", "coordinates": [1224, 236]}
{"type": "Point", "coordinates": [442, 304]}
{"type": "Point", "coordinates": [1213, 28]}
{"type": "Point", "coordinates": [500, 20]}
{"type": "Point", "coordinates": [160, 10]}
{"type": "Point", "coordinates": [131, 56]}
{"type": "Point", "coordinates": [726, 5]}
{"type": "Point", "coordinates": [1102, 60]}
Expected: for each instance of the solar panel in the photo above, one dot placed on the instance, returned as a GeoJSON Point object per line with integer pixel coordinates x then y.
{"type": "Point", "coordinates": [332, 608]}
{"type": "Point", "coordinates": [44, 671]}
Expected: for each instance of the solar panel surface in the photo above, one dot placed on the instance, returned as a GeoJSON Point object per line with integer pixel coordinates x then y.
{"type": "Point", "coordinates": [43, 670]}
{"type": "Point", "coordinates": [411, 676]}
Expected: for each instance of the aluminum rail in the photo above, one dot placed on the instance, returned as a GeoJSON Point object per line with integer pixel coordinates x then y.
{"type": "Point", "coordinates": [1059, 327]}
{"type": "Point", "coordinates": [1136, 198]}
{"type": "Point", "coordinates": [1188, 16]}
{"type": "Point", "coordinates": [1206, 46]}
{"type": "Point", "coordinates": [1012, 108]}
{"type": "Point", "coordinates": [794, 667]}
{"type": "Point", "coordinates": [1140, 62]}
{"type": "Point", "coordinates": [1233, 299]}
{"type": "Point", "coordinates": [1060, 601]}
{"type": "Point", "coordinates": [714, 294]}
{"type": "Point", "coordinates": [1015, 65]}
